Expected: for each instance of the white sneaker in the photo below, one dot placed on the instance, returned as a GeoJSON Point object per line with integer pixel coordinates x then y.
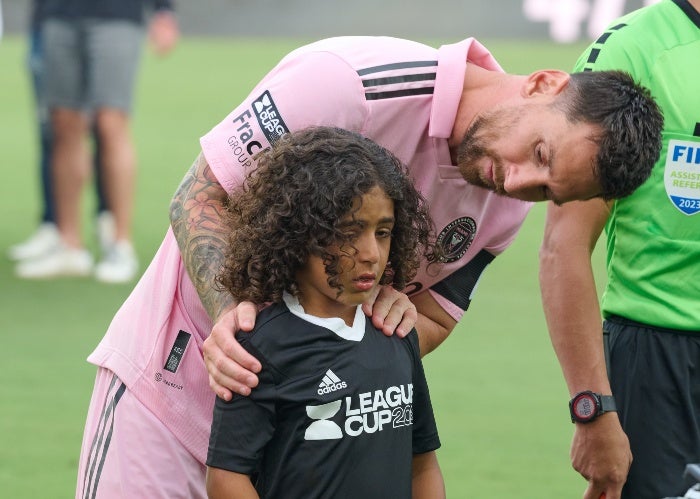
{"type": "Point", "coordinates": [693, 492]}
{"type": "Point", "coordinates": [60, 262]}
{"type": "Point", "coordinates": [44, 240]}
{"type": "Point", "coordinates": [105, 230]}
{"type": "Point", "coordinates": [118, 265]}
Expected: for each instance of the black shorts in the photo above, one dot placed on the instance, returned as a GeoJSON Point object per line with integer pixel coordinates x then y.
{"type": "Point", "coordinates": [655, 377]}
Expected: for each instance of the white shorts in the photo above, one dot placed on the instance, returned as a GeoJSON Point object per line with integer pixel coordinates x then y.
{"type": "Point", "coordinates": [129, 453]}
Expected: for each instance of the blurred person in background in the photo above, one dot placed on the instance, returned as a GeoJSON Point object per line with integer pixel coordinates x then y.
{"type": "Point", "coordinates": [651, 304]}
{"type": "Point", "coordinates": [90, 56]}
{"type": "Point", "coordinates": [45, 238]}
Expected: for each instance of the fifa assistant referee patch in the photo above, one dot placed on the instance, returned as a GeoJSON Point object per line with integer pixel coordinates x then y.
{"type": "Point", "coordinates": [177, 351]}
{"type": "Point", "coordinates": [682, 175]}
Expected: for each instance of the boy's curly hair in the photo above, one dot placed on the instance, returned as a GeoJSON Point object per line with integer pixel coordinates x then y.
{"type": "Point", "coordinates": [291, 205]}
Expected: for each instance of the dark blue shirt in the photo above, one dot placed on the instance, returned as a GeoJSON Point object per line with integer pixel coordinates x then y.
{"type": "Point", "coordinates": [125, 10]}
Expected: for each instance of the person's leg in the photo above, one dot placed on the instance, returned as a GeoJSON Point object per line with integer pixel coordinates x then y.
{"type": "Point", "coordinates": [65, 94]}
{"type": "Point", "coordinates": [49, 212]}
{"type": "Point", "coordinates": [128, 452]}
{"type": "Point", "coordinates": [70, 167]}
{"type": "Point", "coordinates": [115, 50]}
{"type": "Point", "coordinates": [118, 163]}
{"type": "Point", "coordinates": [101, 205]}
{"type": "Point", "coordinates": [45, 238]}
{"type": "Point", "coordinates": [104, 220]}
{"type": "Point", "coordinates": [655, 378]}
{"type": "Point", "coordinates": [36, 67]}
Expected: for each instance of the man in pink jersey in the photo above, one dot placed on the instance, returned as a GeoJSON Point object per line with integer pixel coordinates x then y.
{"type": "Point", "coordinates": [480, 144]}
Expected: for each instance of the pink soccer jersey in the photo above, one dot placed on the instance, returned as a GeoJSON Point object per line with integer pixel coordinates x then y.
{"type": "Point", "coordinates": [402, 94]}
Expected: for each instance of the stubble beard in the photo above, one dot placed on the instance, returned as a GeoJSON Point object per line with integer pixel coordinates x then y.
{"type": "Point", "coordinates": [487, 129]}
{"type": "Point", "coordinates": [471, 150]}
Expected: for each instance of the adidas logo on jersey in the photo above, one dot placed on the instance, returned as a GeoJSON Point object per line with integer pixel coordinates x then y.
{"type": "Point", "coordinates": [330, 383]}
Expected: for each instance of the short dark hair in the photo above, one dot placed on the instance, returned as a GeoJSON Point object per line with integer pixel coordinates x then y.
{"type": "Point", "coordinates": [291, 205]}
{"type": "Point", "coordinates": [631, 123]}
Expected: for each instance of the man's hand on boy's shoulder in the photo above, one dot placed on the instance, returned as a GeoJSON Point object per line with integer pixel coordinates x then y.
{"type": "Point", "coordinates": [231, 368]}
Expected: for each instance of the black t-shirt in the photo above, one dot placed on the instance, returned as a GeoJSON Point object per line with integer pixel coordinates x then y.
{"type": "Point", "coordinates": [331, 417]}
{"type": "Point", "coordinates": [126, 10]}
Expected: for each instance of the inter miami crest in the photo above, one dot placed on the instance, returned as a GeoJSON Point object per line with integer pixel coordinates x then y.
{"type": "Point", "coordinates": [456, 238]}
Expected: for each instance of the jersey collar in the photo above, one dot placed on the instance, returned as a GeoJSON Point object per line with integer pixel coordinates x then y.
{"type": "Point", "coordinates": [449, 82]}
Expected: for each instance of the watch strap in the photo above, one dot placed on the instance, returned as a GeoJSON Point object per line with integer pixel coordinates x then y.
{"type": "Point", "coordinates": [607, 403]}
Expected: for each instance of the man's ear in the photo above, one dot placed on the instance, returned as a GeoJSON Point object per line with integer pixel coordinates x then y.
{"type": "Point", "coordinates": [547, 81]}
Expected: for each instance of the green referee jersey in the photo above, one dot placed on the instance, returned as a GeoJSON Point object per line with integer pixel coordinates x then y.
{"type": "Point", "coordinates": [653, 236]}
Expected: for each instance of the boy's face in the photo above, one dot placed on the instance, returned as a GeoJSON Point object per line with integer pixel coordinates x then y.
{"type": "Point", "coordinates": [362, 261]}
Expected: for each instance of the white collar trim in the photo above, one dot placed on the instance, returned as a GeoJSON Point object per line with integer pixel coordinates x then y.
{"type": "Point", "coordinates": [337, 325]}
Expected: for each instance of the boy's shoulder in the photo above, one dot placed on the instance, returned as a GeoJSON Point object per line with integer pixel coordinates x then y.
{"type": "Point", "coordinates": [272, 320]}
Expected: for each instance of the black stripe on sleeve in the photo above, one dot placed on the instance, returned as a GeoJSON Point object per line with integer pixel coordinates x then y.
{"type": "Point", "coordinates": [595, 52]}
{"type": "Point", "coordinates": [398, 79]}
{"type": "Point", "coordinates": [603, 38]}
{"type": "Point", "coordinates": [458, 287]}
{"type": "Point", "coordinates": [593, 56]}
{"type": "Point", "coordinates": [398, 93]}
{"type": "Point", "coordinates": [396, 65]}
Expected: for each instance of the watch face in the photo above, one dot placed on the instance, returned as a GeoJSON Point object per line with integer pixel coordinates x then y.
{"type": "Point", "coordinates": [584, 407]}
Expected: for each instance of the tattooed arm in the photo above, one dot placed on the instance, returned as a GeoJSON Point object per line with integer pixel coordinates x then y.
{"type": "Point", "coordinates": [195, 216]}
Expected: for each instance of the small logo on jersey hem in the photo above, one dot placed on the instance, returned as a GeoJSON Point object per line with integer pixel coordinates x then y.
{"type": "Point", "coordinates": [330, 383]}
{"type": "Point", "coordinates": [160, 379]}
{"type": "Point", "coordinates": [456, 238]}
{"type": "Point", "coordinates": [269, 118]}
{"type": "Point", "coordinates": [177, 351]}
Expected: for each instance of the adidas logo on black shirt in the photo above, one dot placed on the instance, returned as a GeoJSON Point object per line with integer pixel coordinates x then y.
{"type": "Point", "coordinates": [330, 383]}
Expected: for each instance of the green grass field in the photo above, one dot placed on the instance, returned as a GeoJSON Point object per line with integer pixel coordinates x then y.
{"type": "Point", "coordinates": [497, 389]}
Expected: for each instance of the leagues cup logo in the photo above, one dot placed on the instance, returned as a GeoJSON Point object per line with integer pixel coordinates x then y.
{"type": "Point", "coordinates": [456, 238]}
{"type": "Point", "coordinates": [269, 117]}
{"type": "Point", "coordinates": [682, 175]}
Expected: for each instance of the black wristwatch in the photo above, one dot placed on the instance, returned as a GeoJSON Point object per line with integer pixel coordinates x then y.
{"type": "Point", "coordinates": [586, 406]}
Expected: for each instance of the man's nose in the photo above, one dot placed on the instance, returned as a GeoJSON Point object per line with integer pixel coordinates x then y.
{"type": "Point", "coordinates": [524, 182]}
